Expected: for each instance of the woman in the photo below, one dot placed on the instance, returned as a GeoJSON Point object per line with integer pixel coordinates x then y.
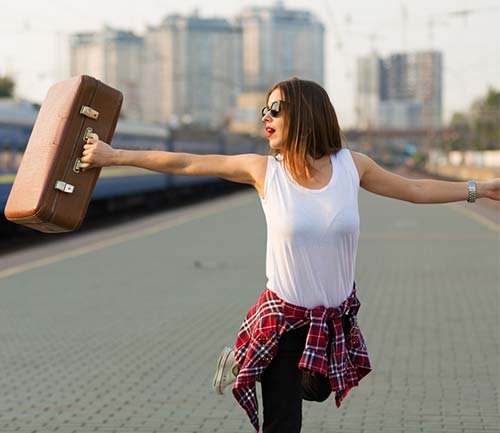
{"type": "Point", "coordinates": [301, 339]}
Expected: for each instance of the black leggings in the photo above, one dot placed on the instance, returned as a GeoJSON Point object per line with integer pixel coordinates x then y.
{"type": "Point", "coordinates": [284, 385]}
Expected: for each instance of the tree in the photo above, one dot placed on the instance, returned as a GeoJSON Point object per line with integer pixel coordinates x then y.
{"type": "Point", "coordinates": [461, 132]}
{"type": "Point", "coordinates": [479, 128]}
{"type": "Point", "coordinates": [7, 86]}
{"type": "Point", "coordinates": [485, 114]}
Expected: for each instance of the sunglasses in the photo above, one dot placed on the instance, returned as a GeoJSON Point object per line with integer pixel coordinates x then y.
{"type": "Point", "coordinates": [274, 109]}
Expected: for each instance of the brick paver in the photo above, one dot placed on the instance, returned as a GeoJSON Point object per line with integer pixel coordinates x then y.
{"type": "Point", "coordinates": [125, 338]}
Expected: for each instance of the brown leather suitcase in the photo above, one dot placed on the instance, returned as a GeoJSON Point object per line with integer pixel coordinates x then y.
{"type": "Point", "coordinates": [50, 192]}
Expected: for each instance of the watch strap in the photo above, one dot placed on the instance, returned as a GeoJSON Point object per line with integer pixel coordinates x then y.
{"type": "Point", "coordinates": [472, 191]}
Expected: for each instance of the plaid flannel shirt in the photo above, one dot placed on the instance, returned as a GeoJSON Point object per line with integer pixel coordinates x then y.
{"type": "Point", "coordinates": [257, 344]}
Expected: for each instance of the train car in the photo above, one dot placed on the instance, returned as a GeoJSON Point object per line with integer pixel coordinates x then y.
{"type": "Point", "coordinates": [18, 117]}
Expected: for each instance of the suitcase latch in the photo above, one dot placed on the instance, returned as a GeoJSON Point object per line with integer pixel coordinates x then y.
{"type": "Point", "coordinates": [89, 112]}
{"type": "Point", "coordinates": [64, 187]}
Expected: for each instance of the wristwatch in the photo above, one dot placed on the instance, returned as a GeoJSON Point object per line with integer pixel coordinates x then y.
{"type": "Point", "coordinates": [471, 187]}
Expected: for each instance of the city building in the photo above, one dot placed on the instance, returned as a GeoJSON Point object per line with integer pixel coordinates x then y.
{"type": "Point", "coordinates": [400, 114]}
{"type": "Point", "coordinates": [428, 67]}
{"type": "Point", "coordinates": [247, 118]}
{"type": "Point", "coordinates": [192, 70]}
{"type": "Point", "coordinates": [279, 43]}
{"type": "Point", "coordinates": [369, 85]}
{"type": "Point", "coordinates": [403, 90]}
{"type": "Point", "coordinates": [115, 57]}
{"type": "Point", "coordinates": [189, 70]}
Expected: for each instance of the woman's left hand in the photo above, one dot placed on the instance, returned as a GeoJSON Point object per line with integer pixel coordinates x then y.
{"type": "Point", "coordinates": [491, 189]}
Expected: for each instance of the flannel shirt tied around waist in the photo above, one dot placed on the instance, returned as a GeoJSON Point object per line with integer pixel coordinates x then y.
{"type": "Point", "coordinates": [257, 344]}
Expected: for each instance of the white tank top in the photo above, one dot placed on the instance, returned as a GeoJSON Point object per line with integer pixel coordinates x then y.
{"type": "Point", "coordinates": [312, 234]}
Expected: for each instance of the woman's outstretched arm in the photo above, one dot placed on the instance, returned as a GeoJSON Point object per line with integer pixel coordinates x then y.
{"type": "Point", "coordinates": [379, 181]}
{"type": "Point", "coordinates": [236, 168]}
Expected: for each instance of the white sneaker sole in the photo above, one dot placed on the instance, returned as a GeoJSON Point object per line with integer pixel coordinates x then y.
{"type": "Point", "coordinates": [221, 365]}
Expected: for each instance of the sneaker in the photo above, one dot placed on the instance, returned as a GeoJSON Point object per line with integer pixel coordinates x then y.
{"type": "Point", "coordinates": [226, 371]}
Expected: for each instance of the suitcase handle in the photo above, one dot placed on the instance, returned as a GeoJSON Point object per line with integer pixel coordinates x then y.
{"type": "Point", "coordinates": [78, 163]}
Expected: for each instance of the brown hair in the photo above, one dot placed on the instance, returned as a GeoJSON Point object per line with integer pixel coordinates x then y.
{"type": "Point", "coordinates": [310, 125]}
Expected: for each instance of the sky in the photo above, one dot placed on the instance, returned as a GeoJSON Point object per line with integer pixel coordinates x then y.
{"type": "Point", "coordinates": [33, 43]}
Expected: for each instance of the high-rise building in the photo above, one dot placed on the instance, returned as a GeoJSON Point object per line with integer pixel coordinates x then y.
{"type": "Point", "coordinates": [370, 84]}
{"type": "Point", "coordinates": [402, 91]}
{"type": "Point", "coordinates": [115, 57]}
{"type": "Point", "coordinates": [400, 114]}
{"type": "Point", "coordinates": [247, 116]}
{"type": "Point", "coordinates": [428, 67]}
{"type": "Point", "coordinates": [279, 43]}
{"type": "Point", "coordinates": [192, 70]}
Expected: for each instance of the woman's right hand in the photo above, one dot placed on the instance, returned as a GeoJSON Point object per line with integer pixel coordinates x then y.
{"type": "Point", "coordinates": [97, 153]}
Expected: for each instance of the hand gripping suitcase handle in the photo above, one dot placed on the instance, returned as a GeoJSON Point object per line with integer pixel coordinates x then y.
{"type": "Point", "coordinates": [78, 163]}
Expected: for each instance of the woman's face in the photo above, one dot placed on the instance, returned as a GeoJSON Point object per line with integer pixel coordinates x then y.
{"type": "Point", "coordinates": [274, 125]}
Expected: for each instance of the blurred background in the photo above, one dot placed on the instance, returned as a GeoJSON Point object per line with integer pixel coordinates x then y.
{"type": "Point", "coordinates": [416, 85]}
{"type": "Point", "coordinates": [117, 326]}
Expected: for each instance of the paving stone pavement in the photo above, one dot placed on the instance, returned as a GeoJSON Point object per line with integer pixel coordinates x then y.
{"type": "Point", "coordinates": [124, 338]}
